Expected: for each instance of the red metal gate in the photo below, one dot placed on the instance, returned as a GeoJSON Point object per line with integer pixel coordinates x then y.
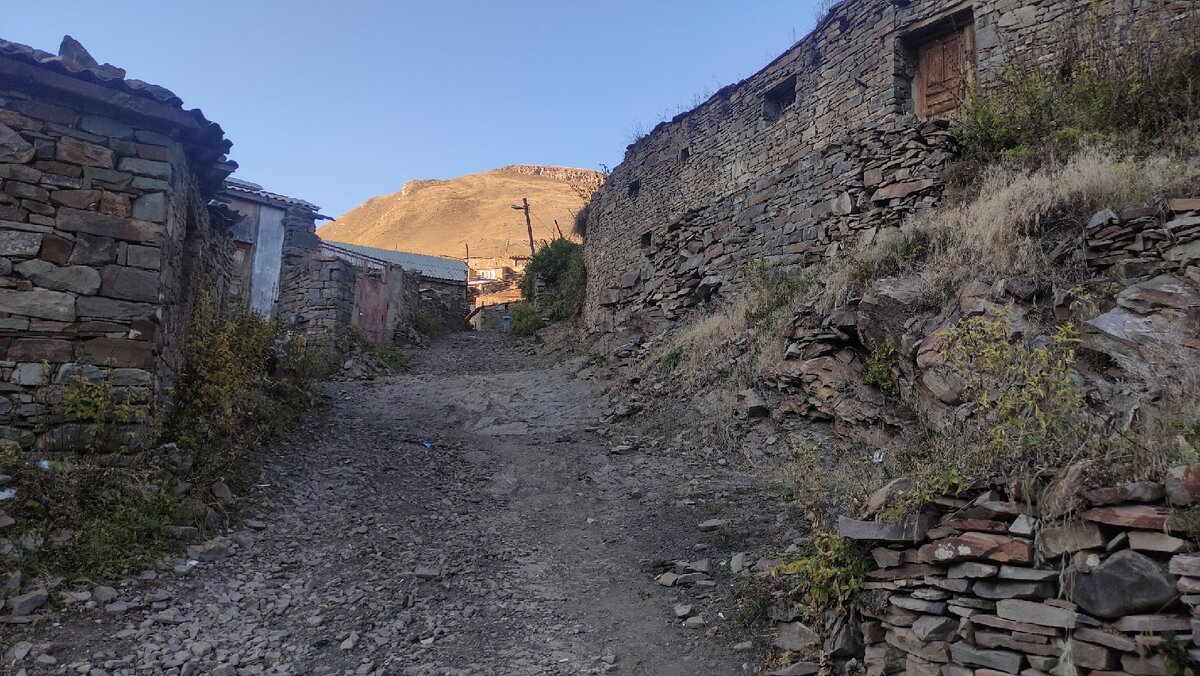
{"type": "Point", "coordinates": [371, 306]}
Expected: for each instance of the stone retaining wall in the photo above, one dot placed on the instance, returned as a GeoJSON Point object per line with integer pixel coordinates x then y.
{"type": "Point", "coordinates": [728, 183]}
{"type": "Point", "coordinates": [1003, 583]}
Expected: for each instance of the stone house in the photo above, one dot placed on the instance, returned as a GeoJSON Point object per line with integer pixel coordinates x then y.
{"type": "Point", "coordinates": [328, 291]}
{"type": "Point", "coordinates": [443, 281]}
{"type": "Point", "coordinates": [491, 308]}
{"type": "Point", "coordinates": [268, 225]}
{"type": "Point", "coordinates": [840, 136]}
{"type": "Point", "coordinates": [105, 235]}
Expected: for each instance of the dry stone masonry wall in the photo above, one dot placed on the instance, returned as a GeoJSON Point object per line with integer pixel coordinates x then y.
{"type": "Point", "coordinates": [105, 235]}
{"type": "Point", "coordinates": [819, 150]}
{"type": "Point", "coordinates": [316, 292]}
{"type": "Point", "coordinates": [1098, 582]}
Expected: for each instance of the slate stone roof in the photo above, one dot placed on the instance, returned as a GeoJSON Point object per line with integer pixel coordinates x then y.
{"type": "Point", "coordinates": [74, 73]}
{"type": "Point", "coordinates": [434, 267]}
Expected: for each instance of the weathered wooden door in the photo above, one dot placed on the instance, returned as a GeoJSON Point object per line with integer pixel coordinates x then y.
{"type": "Point", "coordinates": [942, 72]}
{"type": "Point", "coordinates": [370, 307]}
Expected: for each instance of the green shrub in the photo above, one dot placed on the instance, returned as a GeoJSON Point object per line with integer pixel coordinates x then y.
{"type": "Point", "coordinates": [881, 369]}
{"type": "Point", "coordinates": [390, 357]}
{"type": "Point", "coordinates": [429, 324]}
{"type": "Point", "coordinates": [94, 522]}
{"type": "Point", "coordinates": [559, 263]}
{"type": "Point", "coordinates": [1032, 410]}
{"type": "Point", "coordinates": [92, 398]}
{"type": "Point", "coordinates": [1105, 82]}
{"type": "Point", "coordinates": [833, 569]}
{"type": "Point", "coordinates": [241, 386]}
{"type": "Point", "coordinates": [770, 290]}
{"type": "Point", "coordinates": [525, 320]}
{"type": "Point", "coordinates": [670, 360]}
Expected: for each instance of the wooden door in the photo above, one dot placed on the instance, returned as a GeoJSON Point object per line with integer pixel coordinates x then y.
{"type": "Point", "coordinates": [942, 71]}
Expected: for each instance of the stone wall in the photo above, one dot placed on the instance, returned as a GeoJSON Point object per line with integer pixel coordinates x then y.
{"type": "Point", "coordinates": [316, 293]}
{"type": "Point", "coordinates": [732, 181]}
{"type": "Point", "coordinates": [1146, 255]}
{"type": "Point", "coordinates": [105, 236]}
{"type": "Point", "coordinates": [1033, 578]}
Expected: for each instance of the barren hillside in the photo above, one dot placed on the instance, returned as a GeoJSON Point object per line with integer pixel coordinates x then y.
{"type": "Point", "coordinates": [439, 217]}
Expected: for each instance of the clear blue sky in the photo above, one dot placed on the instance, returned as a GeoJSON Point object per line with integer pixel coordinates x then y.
{"type": "Point", "coordinates": [338, 101]}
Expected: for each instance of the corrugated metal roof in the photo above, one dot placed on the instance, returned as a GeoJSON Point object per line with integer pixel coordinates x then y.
{"type": "Point", "coordinates": [239, 186]}
{"type": "Point", "coordinates": [434, 267]}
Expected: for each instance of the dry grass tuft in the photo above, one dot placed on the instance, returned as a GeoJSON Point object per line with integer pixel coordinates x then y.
{"type": "Point", "coordinates": [1011, 224]}
{"type": "Point", "coordinates": [742, 338]}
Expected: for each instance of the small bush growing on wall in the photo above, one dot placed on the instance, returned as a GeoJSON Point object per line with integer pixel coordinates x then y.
{"type": "Point", "coordinates": [559, 263]}
{"type": "Point", "coordinates": [1106, 82]}
{"type": "Point", "coordinates": [95, 522]}
{"type": "Point", "coordinates": [832, 568]}
{"type": "Point", "coordinates": [881, 368]}
{"type": "Point", "coordinates": [1032, 407]}
{"type": "Point", "coordinates": [91, 398]}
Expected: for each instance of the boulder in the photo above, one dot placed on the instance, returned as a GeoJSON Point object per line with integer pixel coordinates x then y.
{"type": "Point", "coordinates": [77, 278]}
{"type": "Point", "coordinates": [1183, 485]}
{"type": "Point", "coordinates": [28, 602]}
{"type": "Point", "coordinates": [1000, 660]}
{"type": "Point", "coordinates": [39, 304]}
{"type": "Point", "coordinates": [1069, 538]}
{"type": "Point", "coordinates": [888, 495]}
{"type": "Point", "coordinates": [796, 637]}
{"type": "Point", "coordinates": [1139, 491]}
{"type": "Point", "coordinates": [1041, 614]}
{"type": "Point", "coordinates": [911, 529]}
{"type": "Point", "coordinates": [1147, 517]}
{"type": "Point", "coordinates": [1063, 495]}
{"type": "Point", "coordinates": [1124, 584]}
{"type": "Point", "coordinates": [935, 628]}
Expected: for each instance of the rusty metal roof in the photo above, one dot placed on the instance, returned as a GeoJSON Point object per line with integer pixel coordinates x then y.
{"type": "Point", "coordinates": [434, 267]}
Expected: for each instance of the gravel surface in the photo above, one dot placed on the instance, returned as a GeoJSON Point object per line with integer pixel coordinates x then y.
{"type": "Point", "coordinates": [471, 516]}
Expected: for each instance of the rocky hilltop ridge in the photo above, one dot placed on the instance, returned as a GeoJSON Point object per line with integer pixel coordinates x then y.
{"type": "Point", "coordinates": [443, 217]}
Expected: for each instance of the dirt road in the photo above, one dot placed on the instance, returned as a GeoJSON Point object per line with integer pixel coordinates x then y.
{"type": "Point", "coordinates": [466, 517]}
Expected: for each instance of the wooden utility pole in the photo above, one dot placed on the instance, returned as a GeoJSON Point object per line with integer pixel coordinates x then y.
{"type": "Point", "coordinates": [528, 223]}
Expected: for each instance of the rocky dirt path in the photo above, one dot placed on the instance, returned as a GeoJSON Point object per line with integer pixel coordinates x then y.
{"type": "Point", "coordinates": [466, 517]}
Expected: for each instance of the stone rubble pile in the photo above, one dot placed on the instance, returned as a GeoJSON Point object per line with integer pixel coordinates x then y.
{"type": "Point", "coordinates": [1149, 254]}
{"type": "Point", "coordinates": [1094, 582]}
{"type": "Point", "coordinates": [1144, 242]}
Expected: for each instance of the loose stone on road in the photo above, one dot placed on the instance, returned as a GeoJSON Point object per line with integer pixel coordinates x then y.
{"type": "Point", "coordinates": [465, 517]}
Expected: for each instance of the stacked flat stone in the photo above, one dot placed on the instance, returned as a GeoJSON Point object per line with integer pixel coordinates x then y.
{"type": "Point", "coordinates": [103, 232]}
{"type": "Point", "coordinates": [316, 292]}
{"type": "Point", "coordinates": [792, 217]}
{"type": "Point", "coordinates": [1140, 243]}
{"type": "Point", "coordinates": [727, 183]}
{"type": "Point", "coordinates": [1098, 580]}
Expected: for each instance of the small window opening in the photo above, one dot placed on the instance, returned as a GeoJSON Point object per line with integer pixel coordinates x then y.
{"type": "Point", "coordinates": [634, 188]}
{"type": "Point", "coordinates": [779, 98]}
{"type": "Point", "coordinates": [684, 154]}
{"type": "Point", "coordinates": [647, 240]}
